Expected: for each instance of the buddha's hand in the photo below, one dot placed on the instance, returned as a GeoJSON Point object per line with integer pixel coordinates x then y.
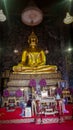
{"type": "Point", "coordinates": [34, 65]}
{"type": "Point", "coordinates": [17, 68]}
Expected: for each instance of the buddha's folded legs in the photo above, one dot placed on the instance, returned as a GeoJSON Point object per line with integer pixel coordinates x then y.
{"type": "Point", "coordinates": [35, 69]}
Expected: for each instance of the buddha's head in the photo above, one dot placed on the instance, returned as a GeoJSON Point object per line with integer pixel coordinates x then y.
{"type": "Point", "coordinates": [32, 40]}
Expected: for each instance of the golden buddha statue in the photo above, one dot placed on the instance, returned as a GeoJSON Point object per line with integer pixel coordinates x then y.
{"type": "Point", "coordinates": [33, 59]}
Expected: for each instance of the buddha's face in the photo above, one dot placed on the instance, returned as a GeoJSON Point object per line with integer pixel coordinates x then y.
{"type": "Point", "coordinates": [33, 42]}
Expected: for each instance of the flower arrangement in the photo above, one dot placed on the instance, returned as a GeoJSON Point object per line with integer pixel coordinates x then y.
{"type": "Point", "coordinates": [58, 91]}
{"type": "Point", "coordinates": [18, 93]}
{"type": "Point", "coordinates": [42, 82]}
{"type": "Point", "coordinates": [5, 93]}
{"type": "Point", "coordinates": [32, 83]}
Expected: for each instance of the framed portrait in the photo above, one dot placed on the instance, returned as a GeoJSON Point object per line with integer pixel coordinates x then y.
{"type": "Point", "coordinates": [44, 94]}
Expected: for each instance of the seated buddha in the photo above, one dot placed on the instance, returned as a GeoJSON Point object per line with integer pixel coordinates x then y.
{"type": "Point", "coordinates": [33, 59]}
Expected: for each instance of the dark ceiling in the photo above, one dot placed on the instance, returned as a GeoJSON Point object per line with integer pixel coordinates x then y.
{"type": "Point", "coordinates": [52, 32]}
{"type": "Point", "coordinates": [53, 9]}
{"type": "Point", "coordinates": [54, 12]}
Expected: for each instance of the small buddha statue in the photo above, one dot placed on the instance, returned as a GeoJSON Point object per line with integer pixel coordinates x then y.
{"type": "Point", "coordinates": [33, 59]}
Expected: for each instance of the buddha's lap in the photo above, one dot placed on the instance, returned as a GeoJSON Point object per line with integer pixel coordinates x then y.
{"type": "Point", "coordinates": [38, 68]}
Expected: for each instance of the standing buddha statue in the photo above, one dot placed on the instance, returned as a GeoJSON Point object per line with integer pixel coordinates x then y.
{"type": "Point", "coordinates": [34, 59]}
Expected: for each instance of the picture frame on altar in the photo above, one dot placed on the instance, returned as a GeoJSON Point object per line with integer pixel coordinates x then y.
{"type": "Point", "coordinates": [63, 84]}
{"type": "Point", "coordinates": [28, 112]}
{"type": "Point", "coordinates": [44, 94]}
